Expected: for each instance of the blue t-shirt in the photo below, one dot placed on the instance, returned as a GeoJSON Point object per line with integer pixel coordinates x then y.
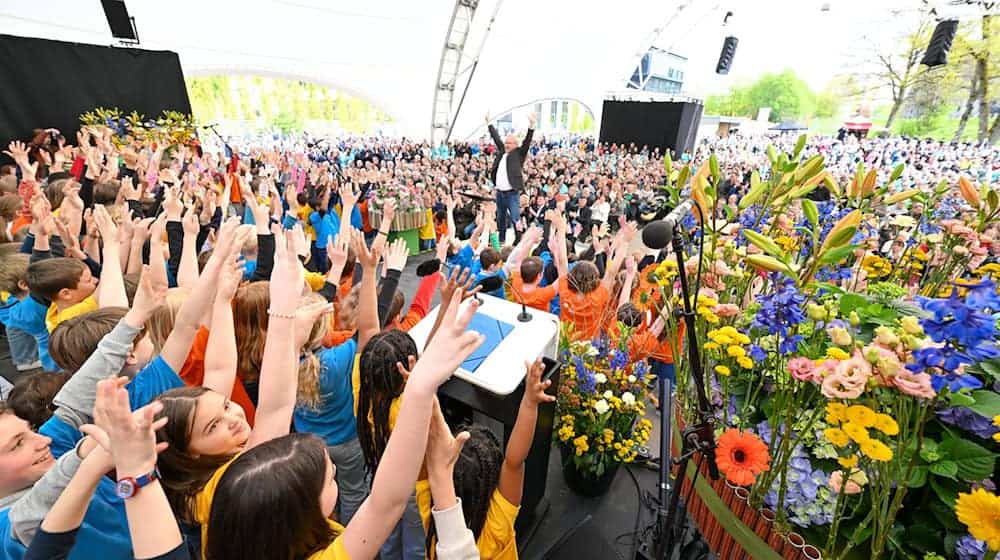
{"type": "Point", "coordinates": [28, 315]}
{"type": "Point", "coordinates": [104, 533]}
{"type": "Point", "coordinates": [326, 226]}
{"type": "Point", "coordinates": [463, 258]}
{"type": "Point", "coordinates": [333, 420]}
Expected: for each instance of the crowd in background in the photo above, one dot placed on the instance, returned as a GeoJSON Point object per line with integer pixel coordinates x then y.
{"type": "Point", "coordinates": [224, 329]}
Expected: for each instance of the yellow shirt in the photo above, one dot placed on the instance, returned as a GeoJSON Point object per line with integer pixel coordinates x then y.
{"type": "Point", "coordinates": [315, 280]}
{"type": "Point", "coordinates": [497, 540]}
{"type": "Point", "coordinates": [303, 216]}
{"type": "Point", "coordinates": [427, 230]}
{"type": "Point", "coordinates": [203, 509]}
{"type": "Point", "coordinates": [356, 384]}
{"type": "Point", "coordinates": [54, 316]}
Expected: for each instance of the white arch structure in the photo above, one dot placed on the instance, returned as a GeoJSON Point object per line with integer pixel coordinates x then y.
{"type": "Point", "coordinates": [385, 51]}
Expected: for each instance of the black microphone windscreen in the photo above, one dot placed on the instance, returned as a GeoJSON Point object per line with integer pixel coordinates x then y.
{"type": "Point", "coordinates": [656, 235]}
{"type": "Point", "coordinates": [428, 267]}
{"type": "Point", "coordinates": [490, 283]}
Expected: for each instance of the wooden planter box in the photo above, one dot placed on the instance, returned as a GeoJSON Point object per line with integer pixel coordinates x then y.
{"type": "Point", "coordinates": [730, 526]}
{"type": "Point", "coordinates": [402, 221]}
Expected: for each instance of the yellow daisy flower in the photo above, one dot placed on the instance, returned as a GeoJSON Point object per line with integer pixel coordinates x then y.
{"type": "Point", "coordinates": [848, 462]}
{"type": "Point", "coordinates": [836, 436]}
{"type": "Point", "coordinates": [722, 370]}
{"type": "Point", "coordinates": [856, 432]}
{"type": "Point", "coordinates": [861, 415]}
{"type": "Point", "coordinates": [835, 413]}
{"type": "Point", "coordinates": [979, 511]}
{"type": "Point", "coordinates": [885, 424]}
{"type": "Point", "coordinates": [876, 450]}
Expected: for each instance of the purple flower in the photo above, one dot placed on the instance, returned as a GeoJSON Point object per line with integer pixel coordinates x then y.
{"type": "Point", "coordinates": [968, 420]}
{"type": "Point", "coordinates": [757, 353]}
{"type": "Point", "coordinates": [968, 547]}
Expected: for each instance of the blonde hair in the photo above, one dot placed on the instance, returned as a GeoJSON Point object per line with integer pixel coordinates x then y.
{"type": "Point", "coordinates": [347, 310]}
{"type": "Point", "coordinates": [309, 365]}
{"type": "Point", "coordinates": [161, 322]}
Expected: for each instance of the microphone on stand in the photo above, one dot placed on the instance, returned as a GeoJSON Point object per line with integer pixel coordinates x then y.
{"type": "Point", "coordinates": [523, 316]}
{"type": "Point", "coordinates": [489, 284]}
{"type": "Point", "coordinates": [659, 234]}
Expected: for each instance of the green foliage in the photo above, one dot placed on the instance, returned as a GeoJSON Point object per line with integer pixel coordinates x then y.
{"type": "Point", "coordinates": [785, 93]}
{"type": "Point", "coordinates": [287, 105]}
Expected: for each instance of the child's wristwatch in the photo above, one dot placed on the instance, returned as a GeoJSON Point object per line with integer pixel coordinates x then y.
{"type": "Point", "coordinates": [129, 486]}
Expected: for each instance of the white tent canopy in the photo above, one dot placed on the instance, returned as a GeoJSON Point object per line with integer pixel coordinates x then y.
{"type": "Point", "coordinates": [388, 51]}
{"type": "Point", "coordinates": [385, 51]}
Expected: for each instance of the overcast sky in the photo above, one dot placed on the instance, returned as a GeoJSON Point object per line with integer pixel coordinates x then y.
{"type": "Point", "coordinates": [778, 34]}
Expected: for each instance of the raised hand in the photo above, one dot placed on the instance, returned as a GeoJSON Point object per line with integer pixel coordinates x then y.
{"type": "Point", "coordinates": [404, 371]}
{"type": "Point", "coordinates": [451, 345]}
{"type": "Point", "coordinates": [230, 276]}
{"type": "Point", "coordinates": [18, 151]}
{"type": "Point", "coordinates": [287, 276]}
{"type": "Point", "coordinates": [190, 222]}
{"type": "Point", "coordinates": [172, 204]}
{"type": "Point", "coordinates": [157, 232]}
{"type": "Point", "coordinates": [105, 225]}
{"type": "Point", "coordinates": [441, 249]}
{"type": "Point", "coordinates": [71, 243]}
{"type": "Point", "coordinates": [388, 212]}
{"type": "Point", "coordinates": [149, 295]}
{"type": "Point", "coordinates": [460, 280]}
{"type": "Point", "coordinates": [300, 244]}
{"type": "Point", "coordinates": [130, 437]}
{"type": "Point", "coordinates": [306, 316]}
{"type": "Point", "coordinates": [395, 256]}
{"type": "Point", "coordinates": [347, 195]}
{"type": "Point", "coordinates": [367, 257]}
{"type": "Point", "coordinates": [534, 387]}
{"type": "Point", "coordinates": [336, 252]}
{"type": "Point", "coordinates": [532, 120]}
{"type": "Point", "coordinates": [443, 449]}
{"type": "Point", "coordinates": [140, 230]}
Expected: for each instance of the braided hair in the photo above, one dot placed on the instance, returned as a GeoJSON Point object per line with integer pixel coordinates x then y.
{"type": "Point", "coordinates": [381, 383]}
{"type": "Point", "coordinates": [477, 475]}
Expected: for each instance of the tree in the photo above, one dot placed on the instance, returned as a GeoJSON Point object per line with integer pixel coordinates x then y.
{"type": "Point", "coordinates": [896, 66]}
{"type": "Point", "coordinates": [785, 93]}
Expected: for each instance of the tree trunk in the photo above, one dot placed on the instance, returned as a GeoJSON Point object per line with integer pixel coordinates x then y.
{"type": "Point", "coordinates": [973, 91]}
{"type": "Point", "coordinates": [982, 68]}
{"type": "Point", "coordinates": [897, 103]}
{"type": "Point", "coordinates": [995, 131]}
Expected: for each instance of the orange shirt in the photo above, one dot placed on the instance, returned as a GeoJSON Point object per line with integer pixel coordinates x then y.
{"type": "Point", "coordinates": [583, 310]}
{"type": "Point", "coordinates": [336, 338]}
{"type": "Point", "coordinates": [193, 374]}
{"type": "Point", "coordinates": [537, 298]}
{"type": "Point", "coordinates": [440, 230]}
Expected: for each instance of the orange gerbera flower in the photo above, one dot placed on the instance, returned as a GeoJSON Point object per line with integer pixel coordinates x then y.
{"type": "Point", "coordinates": [741, 457]}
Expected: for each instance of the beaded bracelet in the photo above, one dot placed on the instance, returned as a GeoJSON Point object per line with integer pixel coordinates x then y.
{"type": "Point", "coordinates": [280, 315]}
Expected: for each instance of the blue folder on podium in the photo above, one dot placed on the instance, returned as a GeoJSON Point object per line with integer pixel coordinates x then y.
{"type": "Point", "coordinates": [494, 331]}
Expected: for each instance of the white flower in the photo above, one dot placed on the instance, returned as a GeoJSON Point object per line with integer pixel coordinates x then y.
{"type": "Point", "coordinates": [608, 394]}
{"type": "Point", "coordinates": [600, 378]}
{"type": "Point", "coordinates": [631, 379]}
{"type": "Point", "coordinates": [628, 398]}
{"type": "Point", "coordinates": [601, 406]}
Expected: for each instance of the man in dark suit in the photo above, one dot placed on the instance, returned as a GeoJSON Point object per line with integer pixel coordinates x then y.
{"type": "Point", "coordinates": [507, 177]}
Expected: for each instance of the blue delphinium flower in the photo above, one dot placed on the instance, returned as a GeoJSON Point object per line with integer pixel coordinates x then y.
{"type": "Point", "coordinates": [602, 344]}
{"type": "Point", "coordinates": [968, 547]}
{"type": "Point", "coordinates": [779, 311]}
{"type": "Point", "coordinates": [619, 360]}
{"type": "Point", "coordinates": [965, 331]}
{"type": "Point", "coordinates": [748, 218]}
{"type": "Point", "coordinates": [968, 420]}
{"type": "Point", "coordinates": [640, 369]}
{"type": "Point", "coordinates": [585, 377]}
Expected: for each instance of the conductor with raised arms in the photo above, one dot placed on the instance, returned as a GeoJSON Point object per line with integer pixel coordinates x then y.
{"type": "Point", "coordinates": [506, 175]}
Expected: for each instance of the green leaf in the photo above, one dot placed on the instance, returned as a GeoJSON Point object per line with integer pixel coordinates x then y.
{"type": "Point", "coordinates": [713, 166]}
{"type": "Point", "coordinates": [947, 469]}
{"type": "Point", "coordinates": [946, 490]}
{"type": "Point", "coordinates": [929, 452]}
{"type": "Point", "coordinates": [974, 461]}
{"type": "Point", "coordinates": [918, 477]}
{"type": "Point", "coordinates": [992, 200]}
{"type": "Point", "coordinates": [730, 213]}
{"type": "Point", "coordinates": [841, 237]}
{"type": "Point", "coordinates": [896, 174]}
{"type": "Point", "coordinates": [753, 195]}
{"type": "Point", "coordinates": [987, 403]}
{"type": "Point", "coordinates": [771, 155]}
{"type": "Point", "coordinates": [834, 256]}
{"type": "Point", "coordinates": [801, 143]}
{"type": "Point", "coordinates": [961, 399]}
{"type": "Point", "coordinates": [764, 243]}
{"type": "Point", "coordinates": [811, 212]}
{"type": "Point", "coordinates": [668, 163]}
{"type": "Point", "coordinates": [850, 302]}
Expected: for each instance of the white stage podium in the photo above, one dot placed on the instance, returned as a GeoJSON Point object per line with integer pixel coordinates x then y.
{"type": "Point", "coordinates": [498, 365]}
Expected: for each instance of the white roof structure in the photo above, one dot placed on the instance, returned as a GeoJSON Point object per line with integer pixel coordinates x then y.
{"type": "Point", "coordinates": [385, 51]}
{"type": "Point", "coordinates": [389, 51]}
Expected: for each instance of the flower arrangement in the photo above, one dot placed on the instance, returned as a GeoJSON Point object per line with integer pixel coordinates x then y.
{"type": "Point", "coordinates": [868, 370]}
{"type": "Point", "coordinates": [601, 403]}
{"type": "Point", "coordinates": [170, 128]}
